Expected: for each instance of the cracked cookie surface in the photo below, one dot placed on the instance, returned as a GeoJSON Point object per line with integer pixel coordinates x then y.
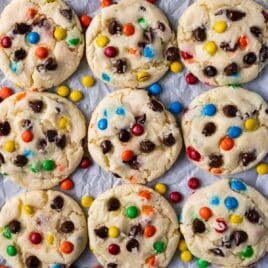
{"type": "Point", "coordinates": [41, 45]}
{"type": "Point", "coordinates": [42, 229]}
{"type": "Point", "coordinates": [133, 226]}
{"type": "Point", "coordinates": [224, 42]}
{"type": "Point", "coordinates": [130, 44]}
{"type": "Point", "coordinates": [41, 139]}
{"type": "Point", "coordinates": [224, 130]}
{"type": "Point", "coordinates": [226, 223]}
{"type": "Point", "coordinates": [133, 136]}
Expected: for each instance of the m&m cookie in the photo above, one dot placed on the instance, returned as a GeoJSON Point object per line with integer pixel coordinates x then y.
{"type": "Point", "coordinates": [42, 229]}
{"type": "Point", "coordinates": [41, 43]}
{"type": "Point", "coordinates": [130, 44]}
{"type": "Point", "coordinates": [226, 224]}
{"type": "Point", "coordinates": [224, 42]}
{"type": "Point", "coordinates": [133, 226]}
{"type": "Point", "coordinates": [133, 136]}
{"type": "Point", "coordinates": [224, 130]}
{"type": "Point", "coordinates": [40, 139]}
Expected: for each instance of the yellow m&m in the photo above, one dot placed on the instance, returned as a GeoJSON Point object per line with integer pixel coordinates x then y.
{"type": "Point", "coordinates": [59, 33]}
{"type": "Point", "coordinates": [88, 81]}
{"type": "Point", "coordinates": [102, 41]}
{"type": "Point", "coordinates": [63, 91]}
{"type": "Point", "coordinates": [176, 67]}
{"type": "Point", "coordinates": [211, 48]}
{"type": "Point", "coordinates": [161, 188]}
{"type": "Point", "coordinates": [63, 122]}
{"type": "Point", "coordinates": [186, 256]}
{"type": "Point", "coordinates": [87, 201]}
{"type": "Point", "coordinates": [236, 219]}
{"type": "Point", "coordinates": [251, 124]}
{"type": "Point", "coordinates": [182, 245]}
{"type": "Point", "coordinates": [113, 232]}
{"type": "Point", "coordinates": [262, 168]}
{"type": "Point", "coordinates": [28, 210]}
{"type": "Point", "coordinates": [220, 26]}
{"type": "Point", "coordinates": [50, 239]}
{"type": "Point", "coordinates": [9, 146]}
{"type": "Point", "coordinates": [143, 76]}
{"type": "Point", "coordinates": [76, 95]}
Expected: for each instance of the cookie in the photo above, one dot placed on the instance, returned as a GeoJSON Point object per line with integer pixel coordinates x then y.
{"type": "Point", "coordinates": [42, 229]}
{"type": "Point", "coordinates": [224, 42]}
{"type": "Point", "coordinates": [224, 130]}
{"type": "Point", "coordinates": [133, 136]}
{"type": "Point", "coordinates": [226, 223]}
{"type": "Point", "coordinates": [41, 44]}
{"type": "Point", "coordinates": [41, 139]}
{"type": "Point", "coordinates": [130, 44]}
{"type": "Point", "coordinates": [132, 226]}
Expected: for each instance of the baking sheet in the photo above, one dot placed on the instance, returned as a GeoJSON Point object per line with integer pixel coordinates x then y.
{"type": "Point", "coordinates": [94, 180]}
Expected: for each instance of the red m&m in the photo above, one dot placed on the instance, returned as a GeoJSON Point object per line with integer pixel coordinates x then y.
{"type": "Point", "coordinates": [35, 238]}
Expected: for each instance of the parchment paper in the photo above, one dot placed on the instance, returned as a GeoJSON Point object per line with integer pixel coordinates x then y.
{"type": "Point", "coordinates": [94, 180]}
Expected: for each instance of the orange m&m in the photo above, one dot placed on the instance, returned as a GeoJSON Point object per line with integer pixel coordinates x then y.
{"type": "Point", "coordinates": [106, 3]}
{"type": "Point", "coordinates": [205, 213]}
{"type": "Point", "coordinates": [5, 92]}
{"type": "Point", "coordinates": [149, 231]}
{"type": "Point", "coordinates": [41, 52]}
{"type": "Point", "coordinates": [27, 136]}
{"type": "Point", "coordinates": [67, 185]}
{"type": "Point", "coordinates": [66, 247]}
{"type": "Point", "coordinates": [85, 20]}
{"type": "Point", "coordinates": [127, 155]}
{"type": "Point", "coordinates": [128, 29]}
{"type": "Point", "coordinates": [227, 143]}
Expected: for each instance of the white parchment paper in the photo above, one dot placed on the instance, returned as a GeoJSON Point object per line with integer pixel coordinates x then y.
{"type": "Point", "coordinates": [94, 180]}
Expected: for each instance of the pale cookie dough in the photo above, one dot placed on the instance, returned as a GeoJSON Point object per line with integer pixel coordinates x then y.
{"type": "Point", "coordinates": [226, 224]}
{"type": "Point", "coordinates": [133, 136]}
{"type": "Point", "coordinates": [130, 44]}
{"type": "Point", "coordinates": [42, 229]}
{"type": "Point", "coordinates": [224, 130]}
{"type": "Point", "coordinates": [41, 137]}
{"type": "Point", "coordinates": [224, 42]}
{"type": "Point", "coordinates": [133, 226]}
{"type": "Point", "coordinates": [41, 43]}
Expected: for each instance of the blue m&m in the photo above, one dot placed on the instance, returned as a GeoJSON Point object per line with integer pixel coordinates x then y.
{"type": "Point", "coordinates": [120, 111]}
{"type": "Point", "coordinates": [237, 185]}
{"type": "Point", "coordinates": [148, 52]}
{"type": "Point", "coordinates": [231, 202]}
{"type": "Point", "coordinates": [56, 266]}
{"type": "Point", "coordinates": [106, 77]}
{"type": "Point", "coordinates": [175, 107]}
{"type": "Point", "coordinates": [209, 110]}
{"type": "Point", "coordinates": [33, 38]}
{"type": "Point", "coordinates": [234, 132]}
{"type": "Point", "coordinates": [155, 89]}
{"type": "Point", "coordinates": [103, 124]}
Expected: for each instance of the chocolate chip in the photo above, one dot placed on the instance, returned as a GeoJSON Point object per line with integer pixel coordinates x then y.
{"type": "Point", "coordinates": [235, 15]}
{"type": "Point", "coordinates": [42, 23]}
{"type": "Point", "coordinates": [215, 160]}
{"type": "Point", "coordinates": [263, 53]}
{"type": "Point", "coordinates": [148, 36]}
{"type": "Point", "coordinates": [67, 13]}
{"type": "Point", "coordinates": [265, 15]}
{"type": "Point", "coordinates": [36, 105]}
{"type": "Point", "coordinates": [14, 226]}
{"type": "Point", "coordinates": [124, 135]}
{"type": "Point", "coordinates": [256, 31]}
{"type": "Point", "coordinates": [134, 163]}
{"type": "Point", "coordinates": [200, 34]}
{"type": "Point", "coordinates": [102, 232]}
{"type": "Point", "coordinates": [132, 244]}
{"type": "Point", "coordinates": [230, 110]}
{"type": "Point", "coordinates": [146, 146]}
{"type": "Point", "coordinates": [135, 230]}
{"type": "Point", "coordinates": [198, 226]}
{"type": "Point", "coordinates": [57, 203]}
{"type": "Point", "coordinates": [231, 69]}
{"type": "Point", "coordinates": [227, 47]}
{"type": "Point", "coordinates": [226, 243]}
{"type": "Point", "coordinates": [106, 146]}
{"type": "Point", "coordinates": [116, 175]}
{"type": "Point", "coordinates": [50, 64]}
{"type": "Point", "coordinates": [120, 66]}
{"type": "Point", "coordinates": [142, 44]}
{"type": "Point", "coordinates": [172, 54]}
{"type": "Point", "coordinates": [67, 227]}
{"type": "Point", "coordinates": [253, 216]}
{"type": "Point", "coordinates": [250, 58]}
{"type": "Point", "coordinates": [111, 265]}
{"type": "Point", "coordinates": [20, 160]}
{"type": "Point", "coordinates": [217, 252]}
{"type": "Point", "coordinates": [22, 28]}
{"type": "Point", "coordinates": [209, 129]}
{"type": "Point", "coordinates": [156, 106]}
{"type": "Point", "coordinates": [27, 124]}
{"type": "Point", "coordinates": [32, 262]}
{"type": "Point", "coordinates": [2, 159]}
{"type": "Point", "coordinates": [210, 71]}
{"type": "Point", "coordinates": [20, 54]}
{"type": "Point", "coordinates": [247, 158]}
{"type": "Point", "coordinates": [113, 204]}
{"type": "Point", "coordinates": [51, 135]}
{"type": "Point", "coordinates": [239, 237]}
{"type": "Point", "coordinates": [115, 27]}
{"type": "Point", "coordinates": [161, 26]}
{"type": "Point", "coordinates": [4, 128]}
{"type": "Point", "coordinates": [42, 144]}
{"type": "Point", "coordinates": [169, 140]}
{"type": "Point", "coordinates": [141, 119]}
{"type": "Point", "coordinates": [61, 142]}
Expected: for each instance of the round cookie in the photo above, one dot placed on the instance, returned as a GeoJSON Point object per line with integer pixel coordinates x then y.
{"type": "Point", "coordinates": [226, 223]}
{"type": "Point", "coordinates": [41, 45]}
{"type": "Point", "coordinates": [133, 136]}
{"type": "Point", "coordinates": [133, 226]}
{"type": "Point", "coordinates": [42, 229]}
{"type": "Point", "coordinates": [41, 139]}
{"type": "Point", "coordinates": [130, 44]}
{"type": "Point", "coordinates": [224, 42]}
{"type": "Point", "coordinates": [224, 130]}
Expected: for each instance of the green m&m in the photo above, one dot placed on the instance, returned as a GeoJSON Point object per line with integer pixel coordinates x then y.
{"type": "Point", "coordinates": [159, 246]}
{"type": "Point", "coordinates": [247, 252]}
{"type": "Point", "coordinates": [11, 251]}
{"type": "Point", "coordinates": [48, 165]}
{"type": "Point", "coordinates": [7, 233]}
{"type": "Point", "coordinates": [132, 212]}
{"type": "Point", "coordinates": [202, 263]}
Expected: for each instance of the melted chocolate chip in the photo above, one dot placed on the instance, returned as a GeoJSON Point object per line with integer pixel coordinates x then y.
{"type": "Point", "coordinates": [217, 252]}
{"type": "Point", "coordinates": [27, 124]}
{"type": "Point", "coordinates": [200, 34]}
{"type": "Point", "coordinates": [142, 8]}
{"type": "Point", "coordinates": [235, 15]}
{"type": "Point", "coordinates": [2, 159]}
{"type": "Point", "coordinates": [253, 216]}
{"type": "Point", "coordinates": [256, 31]}
{"type": "Point", "coordinates": [113, 204]}
{"type": "Point", "coordinates": [146, 146]}
{"type": "Point", "coordinates": [67, 227]}
{"type": "Point", "coordinates": [198, 226]}
{"type": "Point", "coordinates": [20, 160]}
{"type": "Point", "coordinates": [210, 71]}
{"type": "Point", "coordinates": [263, 53]}
{"type": "Point", "coordinates": [239, 237]}
{"type": "Point", "coordinates": [115, 27]}
{"type": "Point", "coordinates": [161, 26]}
{"type": "Point", "coordinates": [51, 135]}
{"type": "Point", "coordinates": [67, 13]}
{"type": "Point", "coordinates": [265, 15]}
{"type": "Point", "coordinates": [61, 142]}
{"type": "Point", "coordinates": [42, 23]}
{"type": "Point", "coordinates": [134, 163]}
{"type": "Point", "coordinates": [141, 119]}
{"type": "Point", "coordinates": [111, 265]}
{"type": "Point", "coordinates": [20, 54]}
{"type": "Point", "coordinates": [135, 230]}
{"type": "Point", "coordinates": [156, 106]}
{"type": "Point", "coordinates": [120, 66]}
{"type": "Point", "coordinates": [32, 262]}
{"type": "Point", "coordinates": [50, 64]}
{"type": "Point", "coordinates": [231, 69]}
{"type": "Point", "coordinates": [132, 244]}
{"type": "Point", "coordinates": [106, 146]}
{"type": "Point", "coordinates": [219, 12]}
{"type": "Point", "coordinates": [102, 232]}
{"type": "Point", "coordinates": [169, 140]}
{"type": "Point", "coordinates": [14, 226]}
{"type": "Point", "coordinates": [42, 144]}
{"type": "Point", "coordinates": [250, 58]}
{"type": "Point", "coordinates": [172, 54]}
{"type": "Point", "coordinates": [227, 47]}
{"type": "Point", "coordinates": [209, 129]}
{"type": "Point", "coordinates": [36, 105]}
{"type": "Point", "coordinates": [22, 28]}
{"type": "Point", "coordinates": [230, 110]}
{"type": "Point", "coordinates": [124, 135]}
{"type": "Point", "coordinates": [247, 158]}
{"type": "Point", "coordinates": [4, 128]}
{"type": "Point", "coordinates": [215, 160]}
{"type": "Point", "coordinates": [57, 203]}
